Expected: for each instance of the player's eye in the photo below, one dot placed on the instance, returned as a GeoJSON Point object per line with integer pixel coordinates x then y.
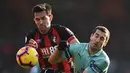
{"type": "Point", "coordinates": [102, 38]}
{"type": "Point", "coordinates": [37, 19]}
{"type": "Point", "coordinates": [96, 35]}
{"type": "Point", "coordinates": [43, 18]}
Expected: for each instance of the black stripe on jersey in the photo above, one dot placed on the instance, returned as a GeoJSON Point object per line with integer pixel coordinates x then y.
{"type": "Point", "coordinates": [41, 43]}
{"type": "Point", "coordinates": [50, 35]}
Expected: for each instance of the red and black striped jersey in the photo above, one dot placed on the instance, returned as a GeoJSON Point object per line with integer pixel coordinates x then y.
{"type": "Point", "coordinates": [47, 44]}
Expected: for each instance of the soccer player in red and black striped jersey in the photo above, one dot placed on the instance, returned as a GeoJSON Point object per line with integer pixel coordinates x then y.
{"type": "Point", "coordinates": [45, 38]}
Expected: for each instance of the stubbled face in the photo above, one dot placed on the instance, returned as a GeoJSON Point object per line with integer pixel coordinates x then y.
{"type": "Point", "coordinates": [98, 40]}
{"type": "Point", "coordinates": [42, 21]}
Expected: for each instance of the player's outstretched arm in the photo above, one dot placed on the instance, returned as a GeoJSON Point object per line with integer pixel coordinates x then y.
{"type": "Point", "coordinates": [56, 57]}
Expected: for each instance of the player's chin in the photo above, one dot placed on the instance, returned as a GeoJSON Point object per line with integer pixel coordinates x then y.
{"type": "Point", "coordinates": [42, 28]}
{"type": "Point", "coordinates": [96, 46]}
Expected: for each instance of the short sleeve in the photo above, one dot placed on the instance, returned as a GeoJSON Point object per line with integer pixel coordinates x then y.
{"type": "Point", "coordinates": [99, 66]}
{"type": "Point", "coordinates": [73, 50]}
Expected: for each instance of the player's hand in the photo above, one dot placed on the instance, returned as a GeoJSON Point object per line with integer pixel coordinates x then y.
{"type": "Point", "coordinates": [32, 43]}
{"type": "Point", "coordinates": [63, 45]}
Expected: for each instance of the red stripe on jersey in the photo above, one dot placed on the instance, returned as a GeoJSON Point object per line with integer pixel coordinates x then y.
{"type": "Point", "coordinates": [47, 41]}
{"type": "Point", "coordinates": [71, 38]}
{"type": "Point", "coordinates": [66, 66]}
{"type": "Point", "coordinates": [41, 61]}
{"type": "Point", "coordinates": [55, 33]}
{"type": "Point", "coordinates": [55, 66]}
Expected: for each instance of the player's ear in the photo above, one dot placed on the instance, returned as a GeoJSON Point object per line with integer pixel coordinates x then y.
{"type": "Point", "coordinates": [34, 19]}
{"type": "Point", "coordinates": [91, 36]}
{"type": "Point", "coordinates": [51, 17]}
{"type": "Point", "coordinates": [105, 43]}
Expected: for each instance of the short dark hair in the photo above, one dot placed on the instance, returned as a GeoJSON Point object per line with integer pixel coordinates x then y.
{"type": "Point", "coordinates": [42, 7]}
{"type": "Point", "coordinates": [103, 29]}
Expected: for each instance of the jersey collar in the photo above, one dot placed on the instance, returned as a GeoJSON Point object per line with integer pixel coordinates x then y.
{"type": "Point", "coordinates": [98, 53]}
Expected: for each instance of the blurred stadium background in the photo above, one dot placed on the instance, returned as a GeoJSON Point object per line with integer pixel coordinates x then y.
{"type": "Point", "coordinates": [81, 16]}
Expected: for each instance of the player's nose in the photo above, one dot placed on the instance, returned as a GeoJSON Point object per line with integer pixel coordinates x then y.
{"type": "Point", "coordinates": [41, 21]}
{"type": "Point", "coordinates": [97, 40]}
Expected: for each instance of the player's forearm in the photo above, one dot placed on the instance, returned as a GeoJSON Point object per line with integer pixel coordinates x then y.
{"type": "Point", "coordinates": [55, 57]}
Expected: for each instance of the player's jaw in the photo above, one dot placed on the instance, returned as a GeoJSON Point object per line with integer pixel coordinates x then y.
{"type": "Point", "coordinates": [43, 28]}
{"type": "Point", "coordinates": [95, 46]}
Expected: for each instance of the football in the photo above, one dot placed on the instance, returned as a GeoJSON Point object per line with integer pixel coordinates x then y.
{"type": "Point", "coordinates": [27, 57]}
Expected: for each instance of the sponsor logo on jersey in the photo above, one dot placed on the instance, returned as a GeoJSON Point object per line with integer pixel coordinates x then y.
{"type": "Point", "coordinates": [47, 51]}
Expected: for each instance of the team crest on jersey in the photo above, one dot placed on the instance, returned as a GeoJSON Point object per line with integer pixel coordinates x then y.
{"type": "Point", "coordinates": [54, 39]}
